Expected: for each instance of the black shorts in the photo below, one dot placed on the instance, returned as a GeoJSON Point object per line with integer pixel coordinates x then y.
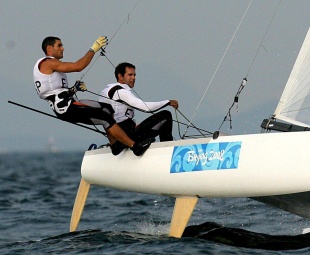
{"type": "Point", "coordinates": [89, 112]}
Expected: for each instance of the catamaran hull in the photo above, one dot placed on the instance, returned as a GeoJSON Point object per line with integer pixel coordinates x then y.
{"type": "Point", "coordinates": [266, 164]}
{"type": "Point", "coordinates": [272, 167]}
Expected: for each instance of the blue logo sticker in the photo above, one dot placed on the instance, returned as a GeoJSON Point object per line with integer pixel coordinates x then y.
{"type": "Point", "coordinates": [201, 157]}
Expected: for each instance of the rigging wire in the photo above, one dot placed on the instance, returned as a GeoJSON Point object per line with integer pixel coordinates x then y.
{"type": "Point", "coordinates": [261, 44]}
{"type": "Point", "coordinates": [95, 129]}
{"type": "Point", "coordinates": [193, 126]}
{"type": "Point", "coordinates": [236, 98]}
{"type": "Point", "coordinates": [102, 53]}
{"type": "Point", "coordinates": [217, 68]}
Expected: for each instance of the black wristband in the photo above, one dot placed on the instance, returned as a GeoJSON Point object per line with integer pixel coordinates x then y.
{"type": "Point", "coordinates": [72, 91]}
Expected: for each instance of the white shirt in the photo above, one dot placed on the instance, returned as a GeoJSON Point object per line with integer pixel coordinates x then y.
{"type": "Point", "coordinates": [124, 102]}
{"type": "Point", "coordinates": [50, 84]}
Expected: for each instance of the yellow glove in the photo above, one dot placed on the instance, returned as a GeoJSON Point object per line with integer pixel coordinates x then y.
{"type": "Point", "coordinates": [99, 43]}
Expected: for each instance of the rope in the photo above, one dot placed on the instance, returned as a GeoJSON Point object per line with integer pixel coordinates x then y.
{"type": "Point", "coordinates": [103, 50]}
{"type": "Point", "coordinates": [228, 115]}
{"type": "Point", "coordinates": [192, 126]}
{"type": "Point", "coordinates": [261, 44]}
{"type": "Point", "coordinates": [103, 53]}
{"type": "Point", "coordinates": [217, 68]}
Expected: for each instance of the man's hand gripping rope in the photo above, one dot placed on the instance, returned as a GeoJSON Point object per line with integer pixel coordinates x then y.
{"type": "Point", "coordinates": [78, 86]}
{"type": "Point", "coordinates": [102, 41]}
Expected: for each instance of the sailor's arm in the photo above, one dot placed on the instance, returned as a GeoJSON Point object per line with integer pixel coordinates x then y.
{"type": "Point", "coordinates": [68, 67]}
{"type": "Point", "coordinates": [131, 100]}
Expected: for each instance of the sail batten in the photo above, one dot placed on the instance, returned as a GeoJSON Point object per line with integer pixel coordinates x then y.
{"type": "Point", "coordinates": [294, 103]}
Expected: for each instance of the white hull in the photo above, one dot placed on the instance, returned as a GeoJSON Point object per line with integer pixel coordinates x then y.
{"type": "Point", "coordinates": [269, 164]}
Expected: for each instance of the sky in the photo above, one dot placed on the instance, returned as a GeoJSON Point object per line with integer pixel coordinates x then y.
{"type": "Point", "coordinates": [196, 52]}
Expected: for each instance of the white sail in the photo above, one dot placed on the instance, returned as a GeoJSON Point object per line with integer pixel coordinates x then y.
{"type": "Point", "coordinates": [294, 105]}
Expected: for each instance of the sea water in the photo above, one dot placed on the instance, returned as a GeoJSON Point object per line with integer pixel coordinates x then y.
{"type": "Point", "coordinates": [37, 193]}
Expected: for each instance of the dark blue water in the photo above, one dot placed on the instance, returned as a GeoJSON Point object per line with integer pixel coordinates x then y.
{"type": "Point", "coordinates": [37, 192]}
